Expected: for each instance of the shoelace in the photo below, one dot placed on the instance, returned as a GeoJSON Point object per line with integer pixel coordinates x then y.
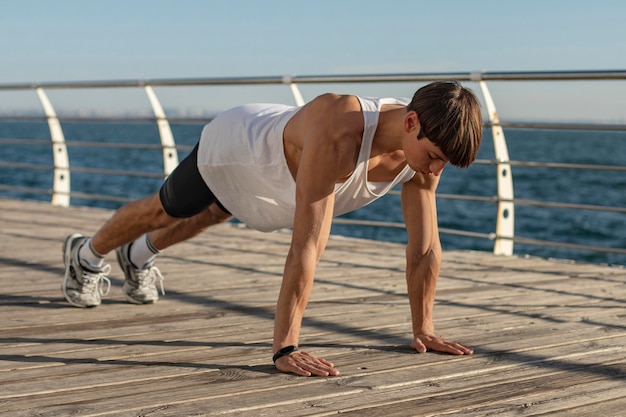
{"type": "Point", "coordinates": [93, 281]}
{"type": "Point", "coordinates": [147, 277]}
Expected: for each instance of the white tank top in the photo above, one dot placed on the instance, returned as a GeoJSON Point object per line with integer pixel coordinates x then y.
{"type": "Point", "coordinates": [242, 160]}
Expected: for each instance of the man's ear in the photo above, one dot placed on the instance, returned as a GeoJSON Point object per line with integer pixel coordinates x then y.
{"type": "Point", "coordinates": [412, 123]}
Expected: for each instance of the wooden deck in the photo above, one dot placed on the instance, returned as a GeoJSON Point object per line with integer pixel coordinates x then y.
{"type": "Point", "coordinates": [550, 336]}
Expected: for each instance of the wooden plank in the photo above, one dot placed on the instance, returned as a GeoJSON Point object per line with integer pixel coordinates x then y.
{"type": "Point", "coordinates": [594, 399]}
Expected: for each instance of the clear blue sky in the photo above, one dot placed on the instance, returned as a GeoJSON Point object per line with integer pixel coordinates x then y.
{"type": "Point", "coordinates": [46, 40]}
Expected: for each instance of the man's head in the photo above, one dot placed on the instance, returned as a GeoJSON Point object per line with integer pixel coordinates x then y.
{"type": "Point", "coordinates": [450, 117]}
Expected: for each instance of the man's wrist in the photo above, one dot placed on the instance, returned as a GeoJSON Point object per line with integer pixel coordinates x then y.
{"type": "Point", "coordinates": [423, 330]}
{"type": "Point", "coordinates": [287, 350]}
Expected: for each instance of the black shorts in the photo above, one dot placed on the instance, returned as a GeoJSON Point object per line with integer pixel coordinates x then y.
{"type": "Point", "coordinates": [184, 193]}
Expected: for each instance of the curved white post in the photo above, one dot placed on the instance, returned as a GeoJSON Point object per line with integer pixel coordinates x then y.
{"type": "Point", "coordinates": [61, 184]}
{"type": "Point", "coordinates": [505, 225]}
{"type": "Point", "coordinates": [170, 154]}
{"type": "Point", "coordinates": [295, 91]}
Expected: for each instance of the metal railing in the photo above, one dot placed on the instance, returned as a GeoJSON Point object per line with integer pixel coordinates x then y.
{"type": "Point", "coordinates": [503, 235]}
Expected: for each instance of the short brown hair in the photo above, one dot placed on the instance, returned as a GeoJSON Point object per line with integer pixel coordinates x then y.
{"type": "Point", "coordinates": [450, 117]}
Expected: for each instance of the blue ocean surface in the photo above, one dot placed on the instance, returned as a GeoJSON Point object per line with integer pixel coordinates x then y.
{"type": "Point", "coordinates": [586, 227]}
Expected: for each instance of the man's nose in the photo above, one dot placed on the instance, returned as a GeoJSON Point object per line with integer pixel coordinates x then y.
{"type": "Point", "coordinates": [436, 168]}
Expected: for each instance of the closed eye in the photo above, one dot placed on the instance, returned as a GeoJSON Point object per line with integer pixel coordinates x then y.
{"type": "Point", "coordinates": [433, 157]}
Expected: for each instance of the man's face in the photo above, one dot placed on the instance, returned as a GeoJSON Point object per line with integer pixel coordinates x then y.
{"type": "Point", "coordinates": [423, 156]}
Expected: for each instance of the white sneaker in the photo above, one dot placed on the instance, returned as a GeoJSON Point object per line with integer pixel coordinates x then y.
{"type": "Point", "coordinates": [139, 284]}
{"type": "Point", "coordinates": [82, 287]}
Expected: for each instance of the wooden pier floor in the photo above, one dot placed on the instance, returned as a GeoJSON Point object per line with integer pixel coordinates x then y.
{"type": "Point", "coordinates": [549, 336]}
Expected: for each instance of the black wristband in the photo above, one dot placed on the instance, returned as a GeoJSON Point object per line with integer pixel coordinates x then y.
{"type": "Point", "coordinates": [284, 352]}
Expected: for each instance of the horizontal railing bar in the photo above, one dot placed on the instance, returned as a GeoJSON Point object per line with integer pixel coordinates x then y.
{"type": "Point", "coordinates": [559, 165]}
{"type": "Point", "coordinates": [373, 223]}
{"type": "Point", "coordinates": [554, 204]}
{"type": "Point", "coordinates": [83, 170]}
{"type": "Point", "coordinates": [106, 119]}
{"type": "Point", "coordinates": [550, 204]}
{"type": "Point", "coordinates": [23, 165]}
{"type": "Point", "coordinates": [524, 202]}
{"type": "Point", "coordinates": [206, 119]}
{"type": "Point", "coordinates": [81, 144]}
{"type": "Point", "coordinates": [535, 203]}
{"type": "Point", "coordinates": [88, 144]}
{"type": "Point", "coordinates": [551, 243]}
{"type": "Point", "coordinates": [566, 166]}
{"type": "Point", "coordinates": [85, 196]}
{"type": "Point", "coordinates": [553, 75]}
{"type": "Point", "coordinates": [465, 76]}
{"type": "Point", "coordinates": [340, 78]}
{"type": "Point", "coordinates": [32, 190]}
{"type": "Point", "coordinates": [558, 126]}
{"type": "Point", "coordinates": [530, 164]}
{"type": "Point", "coordinates": [485, 199]}
{"type": "Point", "coordinates": [142, 83]}
{"type": "Point", "coordinates": [465, 233]}
{"type": "Point", "coordinates": [111, 198]}
{"type": "Point", "coordinates": [103, 171]}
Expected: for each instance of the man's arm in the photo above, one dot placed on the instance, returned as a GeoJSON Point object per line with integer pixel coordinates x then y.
{"type": "Point", "coordinates": [423, 255]}
{"type": "Point", "coordinates": [328, 125]}
{"type": "Point", "coordinates": [309, 238]}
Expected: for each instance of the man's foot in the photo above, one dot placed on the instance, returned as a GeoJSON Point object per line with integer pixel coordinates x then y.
{"type": "Point", "coordinates": [82, 286]}
{"type": "Point", "coordinates": [139, 284]}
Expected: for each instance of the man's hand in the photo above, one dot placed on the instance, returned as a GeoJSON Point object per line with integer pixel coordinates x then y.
{"type": "Point", "coordinates": [423, 343]}
{"type": "Point", "coordinates": [305, 364]}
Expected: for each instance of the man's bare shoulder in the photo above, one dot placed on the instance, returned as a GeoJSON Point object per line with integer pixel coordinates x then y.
{"type": "Point", "coordinates": [331, 126]}
{"type": "Point", "coordinates": [338, 114]}
{"type": "Point", "coordinates": [337, 106]}
{"type": "Point", "coordinates": [337, 101]}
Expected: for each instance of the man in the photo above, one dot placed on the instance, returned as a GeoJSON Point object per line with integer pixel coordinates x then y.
{"type": "Point", "coordinates": [275, 166]}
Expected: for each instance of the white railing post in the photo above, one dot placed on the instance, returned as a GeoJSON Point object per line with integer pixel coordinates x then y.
{"type": "Point", "coordinates": [505, 224]}
{"type": "Point", "coordinates": [61, 183]}
{"type": "Point", "coordinates": [295, 91]}
{"type": "Point", "coordinates": [170, 154]}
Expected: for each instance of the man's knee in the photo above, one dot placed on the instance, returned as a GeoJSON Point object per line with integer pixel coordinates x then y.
{"type": "Point", "coordinates": [219, 212]}
{"type": "Point", "coordinates": [212, 215]}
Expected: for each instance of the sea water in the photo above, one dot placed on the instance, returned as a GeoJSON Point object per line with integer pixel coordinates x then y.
{"type": "Point", "coordinates": [586, 227]}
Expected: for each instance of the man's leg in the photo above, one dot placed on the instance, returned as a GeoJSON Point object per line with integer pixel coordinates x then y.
{"type": "Point", "coordinates": [130, 222]}
{"type": "Point", "coordinates": [184, 198]}
{"type": "Point", "coordinates": [143, 250]}
{"type": "Point", "coordinates": [85, 272]}
{"type": "Point", "coordinates": [137, 258]}
{"type": "Point", "coordinates": [188, 228]}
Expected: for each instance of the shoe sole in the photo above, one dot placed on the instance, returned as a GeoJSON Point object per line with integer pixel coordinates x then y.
{"type": "Point", "coordinates": [126, 271]}
{"type": "Point", "coordinates": [67, 253]}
